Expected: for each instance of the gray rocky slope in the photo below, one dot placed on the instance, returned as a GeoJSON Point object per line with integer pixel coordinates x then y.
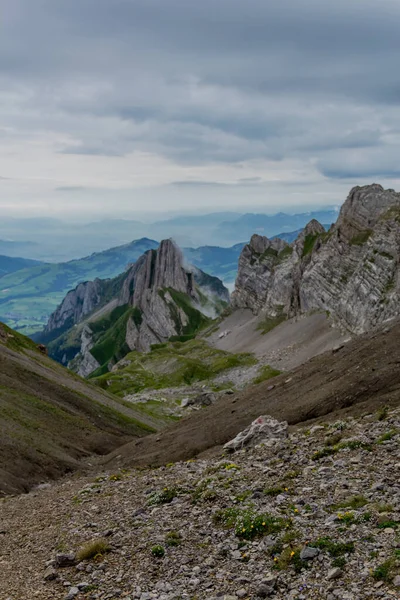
{"type": "Point", "coordinates": [157, 298]}
{"type": "Point", "coordinates": [351, 271]}
{"type": "Point", "coordinates": [313, 514]}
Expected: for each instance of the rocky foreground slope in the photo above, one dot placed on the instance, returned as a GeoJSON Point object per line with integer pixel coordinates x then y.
{"type": "Point", "coordinates": [351, 271]}
{"type": "Point", "coordinates": [315, 514]}
{"type": "Point", "coordinates": [156, 299]}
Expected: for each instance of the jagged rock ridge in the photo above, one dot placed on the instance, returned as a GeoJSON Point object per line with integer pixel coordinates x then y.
{"type": "Point", "coordinates": [352, 271]}
{"type": "Point", "coordinates": [156, 299]}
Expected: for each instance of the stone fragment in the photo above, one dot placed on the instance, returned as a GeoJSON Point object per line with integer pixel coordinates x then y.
{"type": "Point", "coordinates": [309, 553]}
{"type": "Point", "coordinates": [50, 574]}
{"type": "Point", "coordinates": [263, 429]}
{"type": "Point", "coordinates": [335, 573]}
{"type": "Point", "coordinates": [64, 560]}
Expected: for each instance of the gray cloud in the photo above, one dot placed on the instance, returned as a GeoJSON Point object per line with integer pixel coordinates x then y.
{"type": "Point", "coordinates": [304, 89]}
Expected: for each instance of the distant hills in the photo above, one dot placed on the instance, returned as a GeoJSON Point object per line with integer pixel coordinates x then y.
{"type": "Point", "coordinates": [9, 264]}
{"type": "Point", "coordinates": [51, 240]}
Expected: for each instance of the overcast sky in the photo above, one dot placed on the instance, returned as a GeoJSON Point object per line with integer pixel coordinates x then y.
{"type": "Point", "coordinates": [117, 106]}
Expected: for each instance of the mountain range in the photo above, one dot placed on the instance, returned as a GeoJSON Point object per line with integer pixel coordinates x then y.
{"type": "Point", "coordinates": [52, 240]}
{"type": "Point", "coordinates": [28, 296]}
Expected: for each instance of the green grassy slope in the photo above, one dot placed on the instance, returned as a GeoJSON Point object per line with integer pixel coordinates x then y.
{"type": "Point", "coordinates": [50, 418]}
{"type": "Point", "coordinates": [170, 365]}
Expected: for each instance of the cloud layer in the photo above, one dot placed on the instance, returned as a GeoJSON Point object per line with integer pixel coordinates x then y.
{"type": "Point", "coordinates": [259, 103]}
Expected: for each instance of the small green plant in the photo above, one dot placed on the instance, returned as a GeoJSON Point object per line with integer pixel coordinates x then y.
{"type": "Point", "coordinates": [388, 569]}
{"type": "Point", "coordinates": [164, 496]}
{"type": "Point", "coordinates": [290, 557]}
{"type": "Point", "coordinates": [93, 549]}
{"type": "Point", "coordinates": [355, 502]}
{"type": "Point", "coordinates": [292, 474]}
{"type": "Point", "coordinates": [243, 496]}
{"type": "Point", "coordinates": [386, 437]}
{"type": "Point", "coordinates": [382, 413]}
{"type": "Point", "coordinates": [327, 451]}
{"type": "Point", "coordinates": [339, 562]}
{"type": "Point", "coordinates": [348, 518]}
{"type": "Point", "coordinates": [158, 551]}
{"type": "Point", "coordinates": [389, 525]}
{"type": "Point", "coordinates": [116, 477]}
{"type": "Point", "coordinates": [334, 549]}
{"type": "Point", "coordinates": [249, 525]}
{"type": "Point", "coordinates": [173, 538]}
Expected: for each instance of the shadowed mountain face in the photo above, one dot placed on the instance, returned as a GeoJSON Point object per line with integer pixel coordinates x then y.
{"type": "Point", "coordinates": [155, 300]}
{"type": "Point", "coordinates": [50, 419]}
{"type": "Point", "coordinates": [352, 271]}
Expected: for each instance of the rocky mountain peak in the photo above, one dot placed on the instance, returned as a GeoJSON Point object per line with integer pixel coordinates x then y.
{"type": "Point", "coordinates": [259, 243]}
{"type": "Point", "coordinates": [364, 207]}
{"type": "Point", "coordinates": [161, 269]}
{"type": "Point", "coordinates": [156, 299]}
{"type": "Point", "coordinates": [352, 271]}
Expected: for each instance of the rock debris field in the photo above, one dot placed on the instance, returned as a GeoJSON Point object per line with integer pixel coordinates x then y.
{"type": "Point", "coordinates": [314, 514]}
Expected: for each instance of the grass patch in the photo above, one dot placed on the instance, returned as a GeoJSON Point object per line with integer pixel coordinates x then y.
{"type": "Point", "coordinates": [361, 238]}
{"type": "Point", "coordinates": [171, 365]}
{"type": "Point", "coordinates": [266, 372]}
{"type": "Point", "coordinates": [93, 549]}
{"type": "Point", "coordinates": [386, 437]}
{"type": "Point", "coordinates": [382, 413]}
{"type": "Point", "coordinates": [334, 549]}
{"type": "Point", "coordinates": [290, 557]}
{"type": "Point", "coordinates": [355, 502]}
{"type": "Point", "coordinates": [388, 570]}
{"type": "Point", "coordinates": [285, 253]}
{"type": "Point", "coordinates": [269, 323]}
{"type": "Point", "coordinates": [309, 243]}
{"type": "Point", "coordinates": [173, 538]}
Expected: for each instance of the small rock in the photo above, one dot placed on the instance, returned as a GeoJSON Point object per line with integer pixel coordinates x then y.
{"type": "Point", "coordinates": [65, 560]}
{"type": "Point", "coordinates": [74, 591]}
{"type": "Point", "coordinates": [309, 553]}
{"type": "Point", "coordinates": [396, 581]}
{"type": "Point", "coordinates": [267, 586]}
{"type": "Point", "coordinates": [335, 573]}
{"type": "Point", "coordinates": [50, 574]}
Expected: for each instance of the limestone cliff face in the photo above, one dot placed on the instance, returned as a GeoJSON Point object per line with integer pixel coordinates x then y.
{"type": "Point", "coordinates": [148, 289]}
{"type": "Point", "coordinates": [156, 299]}
{"type": "Point", "coordinates": [77, 304]}
{"type": "Point", "coordinates": [352, 271]}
